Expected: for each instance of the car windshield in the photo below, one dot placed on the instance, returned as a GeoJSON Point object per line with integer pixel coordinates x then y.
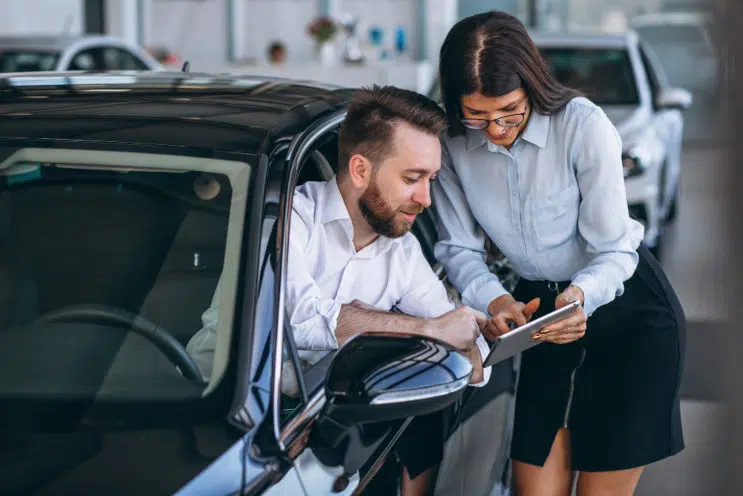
{"type": "Point", "coordinates": [604, 75]}
{"type": "Point", "coordinates": [27, 60]}
{"type": "Point", "coordinates": [105, 271]}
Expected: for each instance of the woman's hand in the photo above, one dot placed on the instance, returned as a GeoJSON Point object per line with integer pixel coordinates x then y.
{"type": "Point", "coordinates": [505, 309]}
{"type": "Point", "coordinates": [570, 329]}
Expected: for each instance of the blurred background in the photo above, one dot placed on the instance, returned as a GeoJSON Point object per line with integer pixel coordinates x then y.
{"type": "Point", "coordinates": [652, 65]}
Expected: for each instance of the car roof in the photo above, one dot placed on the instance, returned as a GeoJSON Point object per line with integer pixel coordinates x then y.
{"type": "Point", "coordinates": [583, 39]}
{"type": "Point", "coordinates": [665, 18]}
{"type": "Point", "coordinates": [238, 113]}
{"type": "Point", "coordinates": [48, 43]}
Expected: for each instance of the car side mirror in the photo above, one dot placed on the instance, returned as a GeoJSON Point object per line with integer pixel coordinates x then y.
{"type": "Point", "coordinates": [379, 377]}
{"type": "Point", "coordinates": [673, 98]}
{"type": "Point", "coordinates": [374, 383]}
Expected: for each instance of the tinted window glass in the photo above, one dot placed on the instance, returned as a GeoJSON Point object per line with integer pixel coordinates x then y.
{"type": "Point", "coordinates": [605, 75]}
{"type": "Point", "coordinates": [27, 61]}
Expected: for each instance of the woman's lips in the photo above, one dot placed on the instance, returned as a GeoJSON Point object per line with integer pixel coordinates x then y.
{"type": "Point", "coordinates": [499, 137]}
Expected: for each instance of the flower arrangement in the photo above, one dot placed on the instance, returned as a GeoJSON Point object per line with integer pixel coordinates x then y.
{"type": "Point", "coordinates": [322, 29]}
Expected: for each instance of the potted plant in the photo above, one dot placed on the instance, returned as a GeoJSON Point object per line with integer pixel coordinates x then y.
{"type": "Point", "coordinates": [323, 30]}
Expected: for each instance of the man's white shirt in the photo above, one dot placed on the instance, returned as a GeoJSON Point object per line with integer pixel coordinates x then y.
{"type": "Point", "coordinates": [325, 272]}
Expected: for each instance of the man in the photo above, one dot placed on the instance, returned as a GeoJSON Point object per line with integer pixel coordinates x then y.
{"type": "Point", "coordinates": [352, 258]}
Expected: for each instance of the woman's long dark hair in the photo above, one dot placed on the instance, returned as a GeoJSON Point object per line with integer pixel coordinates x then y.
{"type": "Point", "coordinates": [492, 53]}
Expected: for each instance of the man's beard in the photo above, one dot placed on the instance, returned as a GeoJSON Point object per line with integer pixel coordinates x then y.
{"type": "Point", "coordinates": [382, 218]}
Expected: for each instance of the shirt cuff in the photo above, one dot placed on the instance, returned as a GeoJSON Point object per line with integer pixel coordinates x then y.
{"type": "Point", "coordinates": [479, 295]}
{"type": "Point", "coordinates": [318, 332]}
{"type": "Point", "coordinates": [589, 285]}
{"type": "Point", "coordinates": [482, 345]}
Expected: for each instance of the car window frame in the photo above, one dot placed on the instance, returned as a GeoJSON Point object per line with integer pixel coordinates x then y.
{"type": "Point", "coordinates": [300, 146]}
{"type": "Point", "coordinates": [656, 77]}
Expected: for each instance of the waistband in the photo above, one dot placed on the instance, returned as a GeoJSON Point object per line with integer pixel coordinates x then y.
{"type": "Point", "coordinates": [541, 286]}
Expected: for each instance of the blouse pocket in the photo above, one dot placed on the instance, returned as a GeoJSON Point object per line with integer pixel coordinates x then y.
{"type": "Point", "coordinates": [556, 218]}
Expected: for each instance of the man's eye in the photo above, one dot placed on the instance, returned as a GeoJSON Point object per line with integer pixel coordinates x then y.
{"type": "Point", "coordinates": [411, 180]}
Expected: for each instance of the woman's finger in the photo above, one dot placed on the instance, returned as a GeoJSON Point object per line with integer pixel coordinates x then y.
{"type": "Point", "coordinates": [562, 338]}
{"type": "Point", "coordinates": [501, 324]}
{"type": "Point", "coordinates": [563, 325]}
{"type": "Point", "coordinates": [490, 331]}
{"type": "Point", "coordinates": [515, 313]}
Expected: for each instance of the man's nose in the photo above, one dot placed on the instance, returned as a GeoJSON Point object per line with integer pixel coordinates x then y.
{"type": "Point", "coordinates": [422, 194]}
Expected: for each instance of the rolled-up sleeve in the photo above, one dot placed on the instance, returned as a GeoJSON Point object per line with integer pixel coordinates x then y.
{"type": "Point", "coordinates": [312, 317]}
{"type": "Point", "coordinates": [611, 236]}
{"type": "Point", "coordinates": [461, 245]}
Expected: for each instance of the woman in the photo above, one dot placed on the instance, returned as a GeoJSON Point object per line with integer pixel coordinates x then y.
{"type": "Point", "coordinates": [537, 169]}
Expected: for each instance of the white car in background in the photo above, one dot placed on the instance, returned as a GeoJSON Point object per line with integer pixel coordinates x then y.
{"type": "Point", "coordinates": [622, 75]}
{"type": "Point", "coordinates": [72, 53]}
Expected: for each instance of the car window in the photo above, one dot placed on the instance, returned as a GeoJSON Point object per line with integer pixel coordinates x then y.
{"type": "Point", "coordinates": [118, 59]}
{"type": "Point", "coordinates": [27, 60]}
{"type": "Point", "coordinates": [605, 75]}
{"type": "Point", "coordinates": [656, 76]}
{"type": "Point", "coordinates": [106, 270]}
{"type": "Point", "coordinates": [87, 60]}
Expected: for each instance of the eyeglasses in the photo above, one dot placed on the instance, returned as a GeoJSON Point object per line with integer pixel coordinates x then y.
{"type": "Point", "coordinates": [511, 120]}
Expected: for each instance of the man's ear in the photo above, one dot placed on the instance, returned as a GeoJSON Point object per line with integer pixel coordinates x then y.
{"type": "Point", "coordinates": [359, 170]}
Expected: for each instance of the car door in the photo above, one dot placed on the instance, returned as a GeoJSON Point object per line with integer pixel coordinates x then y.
{"type": "Point", "coordinates": [669, 124]}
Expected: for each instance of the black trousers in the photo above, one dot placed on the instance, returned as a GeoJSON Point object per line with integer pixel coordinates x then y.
{"type": "Point", "coordinates": [616, 389]}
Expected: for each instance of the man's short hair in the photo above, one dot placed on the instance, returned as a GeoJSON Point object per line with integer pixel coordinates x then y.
{"type": "Point", "coordinates": [371, 118]}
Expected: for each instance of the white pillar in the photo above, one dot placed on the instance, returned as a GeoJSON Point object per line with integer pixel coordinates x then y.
{"type": "Point", "coordinates": [59, 17]}
{"type": "Point", "coordinates": [129, 20]}
{"type": "Point", "coordinates": [441, 15]}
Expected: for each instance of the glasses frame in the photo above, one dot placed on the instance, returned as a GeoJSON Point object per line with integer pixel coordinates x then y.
{"type": "Point", "coordinates": [486, 122]}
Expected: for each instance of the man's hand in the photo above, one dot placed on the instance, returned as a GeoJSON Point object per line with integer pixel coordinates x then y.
{"type": "Point", "coordinates": [459, 327]}
{"type": "Point", "coordinates": [570, 329]}
{"type": "Point", "coordinates": [505, 309]}
{"type": "Point", "coordinates": [477, 373]}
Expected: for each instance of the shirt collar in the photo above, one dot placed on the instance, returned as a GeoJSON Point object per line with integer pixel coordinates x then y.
{"type": "Point", "coordinates": [536, 132]}
{"type": "Point", "coordinates": [537, 129]}
{"type": "Point", "coordinates": [333, 208]}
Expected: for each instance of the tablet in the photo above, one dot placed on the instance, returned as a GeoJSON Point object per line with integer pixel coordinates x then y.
{"type": "Point", "coordinates": [519, 339]}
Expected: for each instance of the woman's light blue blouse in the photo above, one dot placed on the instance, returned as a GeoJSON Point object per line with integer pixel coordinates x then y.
{"type": "Point", "coordinates": [555, 205]}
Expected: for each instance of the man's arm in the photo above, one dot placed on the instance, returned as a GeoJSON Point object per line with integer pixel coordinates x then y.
{"type": "Point", "coordinates": [321, 323]}
{"type": "Point", "coordinates": [359, 317]}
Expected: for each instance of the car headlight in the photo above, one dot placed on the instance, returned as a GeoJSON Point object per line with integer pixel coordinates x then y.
{"type": "Point", "coordinates": [632, 166]}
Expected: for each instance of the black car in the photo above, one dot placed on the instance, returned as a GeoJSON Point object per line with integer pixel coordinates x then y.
{"type": "Point", "coordinates": [124, 199]}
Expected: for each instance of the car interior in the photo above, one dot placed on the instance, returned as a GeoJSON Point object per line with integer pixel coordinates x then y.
{"type": "Point", "coordinates": [83, 251]}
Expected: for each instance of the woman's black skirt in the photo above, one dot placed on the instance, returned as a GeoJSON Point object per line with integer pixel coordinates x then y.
{"type": "Point", "coordinates": [616, 389]}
